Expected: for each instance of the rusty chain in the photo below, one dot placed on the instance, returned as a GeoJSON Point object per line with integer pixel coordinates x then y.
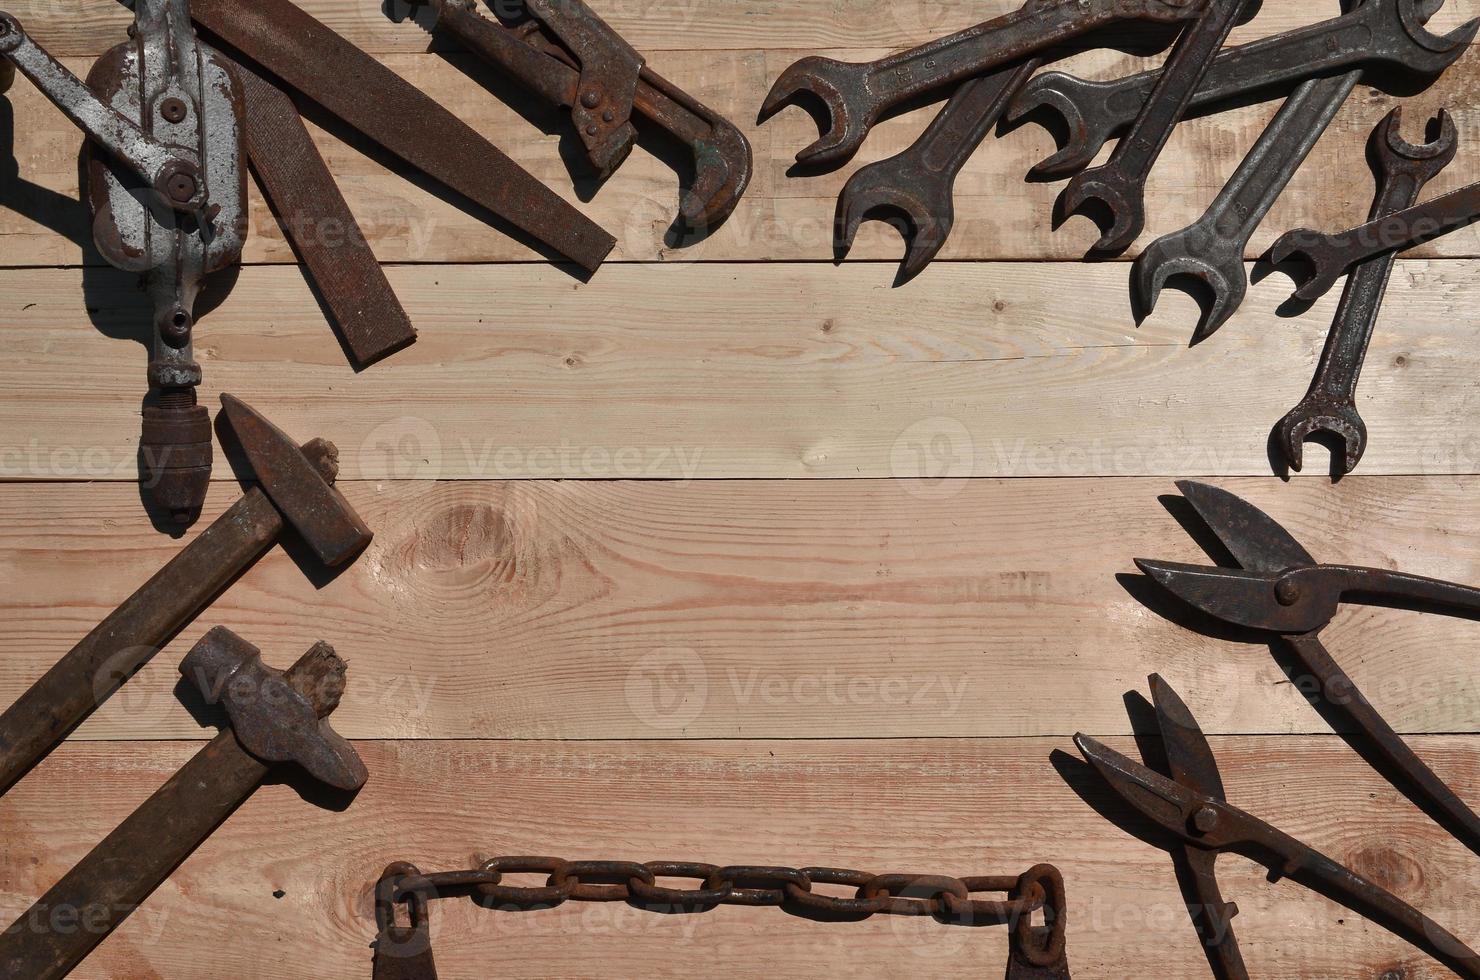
{"type": "Point", "coordinates": [1037, 950]}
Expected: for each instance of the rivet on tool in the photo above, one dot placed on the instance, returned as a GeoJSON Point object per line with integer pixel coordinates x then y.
{"type": "Point", "coordinates": [1205, 820]}
{"type": "Point", "coordinates": [1287, 591]}
{"type": "Point", "coordinates": [173, 110]}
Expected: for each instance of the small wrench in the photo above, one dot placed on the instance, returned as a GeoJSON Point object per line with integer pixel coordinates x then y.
{"type": "Point", "coordinates": [1331, 255]}
{"type": "Point", "coordinates": [1330, 406]}
{"type": "Point", "coordinates": [858, 94]}
{"type": "Point", "coordinates": [1121, 183]}
{"type": "Point", "coordinates": [920, 181]}
{"type": "Point", "coordinates": [1212, 249]}
{"type": "Point", "coordinates": [1381, 32]}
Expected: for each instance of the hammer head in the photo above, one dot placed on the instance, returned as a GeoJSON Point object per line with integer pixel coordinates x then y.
{"type": "Point", "coordinates": [300, 485]}
{"type": "Point", "coordinates": [277, 716]}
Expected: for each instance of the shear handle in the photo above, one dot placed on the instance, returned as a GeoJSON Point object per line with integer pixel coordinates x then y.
{"type": "Point", "coordinates": [1376, 586]}
{"type": "Point", "coordinates": [1231, 829]}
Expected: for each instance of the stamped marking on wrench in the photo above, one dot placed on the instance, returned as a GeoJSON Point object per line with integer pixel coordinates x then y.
{"type": "Point", "coordinates": [1120, 185]}
{"type": "Point", "coordinates": [1330, 406]}
{"type": "Point", "coordinates": [920, 182]}
{"type": "Point", "coordinates": [1381, 32]}
{"type": "Point", "coordinates": [1211, 249]}
{"type": "Point", "coordinates": [857, 94]}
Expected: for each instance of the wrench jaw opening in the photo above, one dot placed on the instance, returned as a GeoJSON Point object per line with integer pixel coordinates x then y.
{"type": "Point", "coordinates": [1087, 133]}
{"type": "Point", "coordinates": [1127, 215]}
{"type": "Point", "coordinates": [1414, 14]}
{"type": "Point", "coordinates": [1195, 254]}
{"type": "Point", "coordinates": [723, 166]}
{"type": "Point", "coordinates": [826, 80]}
{"type": "Point", "coordinates": [1328, 417]}
{"type": "Point", "coordinates": [883, 188]}
{"type": "Point", "coordinates": [1306, 246]}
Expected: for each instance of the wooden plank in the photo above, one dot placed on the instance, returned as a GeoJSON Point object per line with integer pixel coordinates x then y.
{"type": "Point", "coordinates": [283, 889]}
{"type": "Point", "coordinates": [782, 218]}
{"type": "Point", "coordinates": [672, 24]}
{"type": "Point", "coordinates": [654, 610]}
{"type": "Point", "coordinates": [713, 371]}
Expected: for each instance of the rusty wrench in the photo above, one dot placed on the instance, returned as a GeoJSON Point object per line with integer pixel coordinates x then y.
{"type": "Point", "coordinates": [1330, 406]}
{"type": "Point", "coordinates": [1331, 255]}
{"type": "Point", "coordinates": [1120, 185]}
{"type": "Point", "coordinates": [920, 181]}
{"type": "Point", "coordinates": [858, 94]}
{"type": "Point", "coordinates": [1211, 250]}
{"type": "Point", "coordinates": [603, 90]}
{"type": "Point", "coordinates": [1380, 32]}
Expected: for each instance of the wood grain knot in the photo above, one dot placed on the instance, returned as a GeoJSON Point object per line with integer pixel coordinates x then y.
{"type": "Point", "coordinates": [1397, 872]}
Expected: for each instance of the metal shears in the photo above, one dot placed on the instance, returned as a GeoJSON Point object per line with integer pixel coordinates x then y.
{"type": "Point", "coordinates": [1280, 589]}
{"type": "Point", "coordinates": [1191, 807]}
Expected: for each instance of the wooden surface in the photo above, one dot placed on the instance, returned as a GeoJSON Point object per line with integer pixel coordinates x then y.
{"type": "Point", "coordinates": [736, 556]}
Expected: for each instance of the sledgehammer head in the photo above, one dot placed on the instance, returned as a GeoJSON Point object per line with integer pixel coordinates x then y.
{"type": "Point", "coordinates": [277, 716]}
{"type": "Point", "coordinates": [301, 486]}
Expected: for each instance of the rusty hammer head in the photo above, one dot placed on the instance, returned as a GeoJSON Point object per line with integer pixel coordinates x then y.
{"type": "Point", "coordinates": [300, 482]}
{"type": "Point", "coordinates": [277, 716]}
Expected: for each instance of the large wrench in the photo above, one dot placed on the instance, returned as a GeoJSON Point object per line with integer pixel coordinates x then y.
{"type": "Point", "coordinates": [1380, 32]}
{"type": "Point", "coordinates": [1331, 255]}
{"type": "Point", "coordinates": [1330, 406]}
{"type": "Point", "coordinates": [1211, 249]}
{"type": "Point", "coordinates": [1120, 185]}
{"type": "Point", "coordinates": [920, 182]}
{"type": "Point", "coordinates": [721, 154]}
{"type": "Point", "coordinates": [858, 94]}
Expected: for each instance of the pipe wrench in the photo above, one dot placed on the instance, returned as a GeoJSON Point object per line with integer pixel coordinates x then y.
{"type": "Point", "coordinates": [569, 56]}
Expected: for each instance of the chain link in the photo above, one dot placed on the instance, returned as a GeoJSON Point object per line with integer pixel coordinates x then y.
{"type": "Point", "coordinates": [946, 899]}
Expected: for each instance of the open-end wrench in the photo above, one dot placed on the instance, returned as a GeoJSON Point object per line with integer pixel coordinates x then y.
{"type": "Point", "coordinates": [1331, 255]}
{"type": "Point", "coordinates": [1211, 249]}
{"type": "Point", "coordinates": [1120, 185]}
{"type": "Point", "coordinates": [1331, 406]}
{"type": "Point", "coordinates": [1381, 32]}
{"type": "Point", "coordinates": [858, 94]}
{"type": "Point", "coordinates": [920, 182]}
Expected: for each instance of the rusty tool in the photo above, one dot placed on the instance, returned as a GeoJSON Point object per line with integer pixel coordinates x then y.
{"type": "Point", "coordinates": [920, 182]}
{"type": "Point", "coordinates": [858, 94]}
{"type": "Point", "coordinates": [162, 116]}
{"type": "Point", "coordinates": [304, 55]}
{"type": "Point", "coordinates": [1211, 250]}
{"type": "Point", "coordinates": [1331, 404]}
{"type": "Point", "coordinates": [296, 488]}
{"type": "Point", "coordinates": [1380, 33]}
{"type": "Point", "coordinates": [1190, 807]}
{"type": "Point", "coordinates": [276, 717]}
{"type": "Point", "coordinates": [404, 952]}
{"type": "Point", "coordinates": [1279, 589]}
{"type": "Point", "coordinates": [1329, 256]}
{"type": "Point", "coordinates": [318, 223]}
{"type": "Point", "coordinates": [1120, 185]}
{"type": "Point", "coordinates": [569, 56]}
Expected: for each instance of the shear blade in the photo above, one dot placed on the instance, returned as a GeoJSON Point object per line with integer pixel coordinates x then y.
{"type": "Point", "coordinates": [1250, 535]}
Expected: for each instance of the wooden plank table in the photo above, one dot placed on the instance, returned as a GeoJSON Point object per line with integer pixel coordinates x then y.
{"type": "Point", "coordinates": [736, 556]}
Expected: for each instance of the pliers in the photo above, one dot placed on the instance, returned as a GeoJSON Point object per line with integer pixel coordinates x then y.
{"type": "Point", "coordinates": [1280, 589]}
{"type": "Point", "coordinates": [1190, 806]}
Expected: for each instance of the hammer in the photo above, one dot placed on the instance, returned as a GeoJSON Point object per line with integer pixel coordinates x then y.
{"type": "Point", "coordinates": [275, 717]}
{"type": "Point", "coordinates": [296, 487]}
